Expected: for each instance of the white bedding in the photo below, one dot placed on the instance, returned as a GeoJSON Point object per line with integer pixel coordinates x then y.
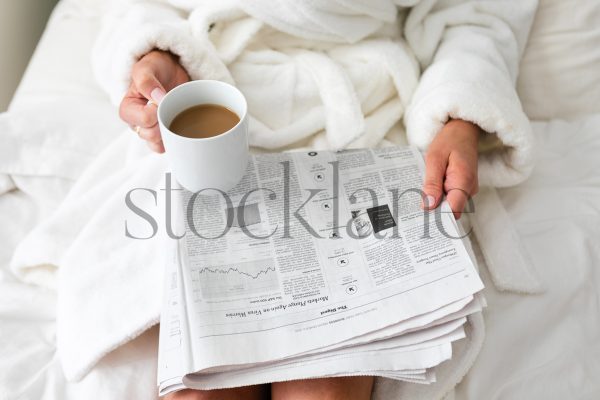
{"type": "Point", "coordinates": [544, 346]}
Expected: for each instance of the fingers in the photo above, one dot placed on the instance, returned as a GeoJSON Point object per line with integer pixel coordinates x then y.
{"type": "Point", "coordinates": [145, 85]}
{"type": "Point", "coordinates": [435, 171]}
{"type": "Point", "coordinates": [136, 111]}
{"type": "Point", "coordinates": [144, 78]}
{"type": "Point", "coordinates": [152, 137]}
{"type": "Point", "coordinates": [150, 76]}
{"type": "Point", "coordinates": [461, 183]}
{"type": "Point", "coordinates": [151, 134]}
{"type": "Point", "coordinates": [156, 147]}
{"type": "Point", "coordinates": [457, 199]}
{"type": "Point", "coordinates": [454, 176]}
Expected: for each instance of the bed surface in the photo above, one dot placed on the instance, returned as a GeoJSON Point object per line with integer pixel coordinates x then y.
{"type": "Point", "coordinates": [537, 347]}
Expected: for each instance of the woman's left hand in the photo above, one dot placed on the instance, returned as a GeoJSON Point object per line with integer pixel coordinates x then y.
{"type": "Point", "coordinates": [451, 166]}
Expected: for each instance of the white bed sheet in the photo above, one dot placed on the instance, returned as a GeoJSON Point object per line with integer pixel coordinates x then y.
{"type": "Point", "coordinates": [545, 346]}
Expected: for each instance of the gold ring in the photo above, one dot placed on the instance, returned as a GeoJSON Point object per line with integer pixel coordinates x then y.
{"type": "Point", "coordinates": [137, 129]}
{"type": "Point", "coordinates": [151, 102]}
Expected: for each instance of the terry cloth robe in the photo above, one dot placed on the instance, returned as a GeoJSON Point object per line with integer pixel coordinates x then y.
{"type": "Point", "coordinates": [319, 74]}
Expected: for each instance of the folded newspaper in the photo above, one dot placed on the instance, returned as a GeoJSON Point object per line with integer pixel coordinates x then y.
{"type": "Point", "coordinates": [317, 264]}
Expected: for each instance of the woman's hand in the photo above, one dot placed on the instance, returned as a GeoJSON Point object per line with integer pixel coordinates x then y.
{"type": "Point", "coordinates": [451, 166]}
{"type": "Point", "coordinates": [151, 78]}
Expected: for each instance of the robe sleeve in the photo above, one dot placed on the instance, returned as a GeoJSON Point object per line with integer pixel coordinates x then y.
{"type": "Point", "coordinates": [469, 52]}
{"type": "Point", "coordinates": [131, 28]}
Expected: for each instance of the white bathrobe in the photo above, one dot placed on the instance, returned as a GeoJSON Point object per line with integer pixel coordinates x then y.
{"type": "Point", "coordinates": [323, 74]}
{"type": "Point", "coordinates": [336, 74]}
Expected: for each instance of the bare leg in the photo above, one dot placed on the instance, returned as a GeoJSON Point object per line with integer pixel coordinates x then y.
{"type": "Point", "coordinates": [343, 388]}
{"type": "Point", "coordinates": [255, 392]}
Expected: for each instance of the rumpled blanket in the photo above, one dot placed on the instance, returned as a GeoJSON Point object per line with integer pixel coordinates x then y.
{"type": "Point", "coordinates": [354, 81]}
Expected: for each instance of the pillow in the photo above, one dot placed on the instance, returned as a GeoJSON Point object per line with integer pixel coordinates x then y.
{"type": "Point", "coordinates": [560, 69]}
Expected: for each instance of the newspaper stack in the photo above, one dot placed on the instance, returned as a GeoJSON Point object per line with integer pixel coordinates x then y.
{"type": "Point", "coordinates": [317, 264]}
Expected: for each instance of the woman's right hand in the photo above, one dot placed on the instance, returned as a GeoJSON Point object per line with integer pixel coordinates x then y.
{"type": "Point", "coordinates": [152, 76]}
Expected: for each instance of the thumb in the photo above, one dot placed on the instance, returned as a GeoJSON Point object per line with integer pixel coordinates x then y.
{"type": "Point", "coordinates": [148, 85]}
{"type": "Point", "coordinates": [435, 169]}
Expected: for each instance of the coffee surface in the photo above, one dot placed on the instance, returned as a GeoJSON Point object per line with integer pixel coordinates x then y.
{"type": "Point", "coordinates": [204, 121]}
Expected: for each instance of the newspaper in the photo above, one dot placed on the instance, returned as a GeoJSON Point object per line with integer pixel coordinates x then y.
{"type": "Point", "coordinates": [316, 264]}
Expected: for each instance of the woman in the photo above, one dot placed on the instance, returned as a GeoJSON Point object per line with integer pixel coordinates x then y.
{"type": "Point", "coordinates": [336, 74]}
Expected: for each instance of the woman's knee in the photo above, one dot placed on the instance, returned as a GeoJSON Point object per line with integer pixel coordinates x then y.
{"type": "Point", "coordinates": [342, 388]}
{"type": "Point", "coordinates": [186, 394]}
{"type": "Point", "coordinates": [256, 392]}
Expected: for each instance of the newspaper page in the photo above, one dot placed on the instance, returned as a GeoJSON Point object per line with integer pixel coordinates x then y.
{"type": "Point", "coordinates": [312, 250]}
{"type": "Point", "coordinates": [174, 356]}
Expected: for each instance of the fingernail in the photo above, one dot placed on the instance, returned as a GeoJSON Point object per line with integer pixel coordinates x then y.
{"type": "Point", "coordinates": [429, 201]}
{"type": "Point", "coordinates": [157, 95]}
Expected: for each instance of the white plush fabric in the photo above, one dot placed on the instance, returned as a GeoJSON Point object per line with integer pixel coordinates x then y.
{"type": "Point", "coordinates": [339, 74]}
{"type": "Point", "coordinates": [536, 346]}
{"type": "Point", "coordinates": [508, 261]}
{"type": "Point", "coordinates": [555, 213]}
{"type": "Point", "coordinates": [352, 90]}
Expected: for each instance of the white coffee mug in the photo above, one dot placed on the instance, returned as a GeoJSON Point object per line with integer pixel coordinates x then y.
{"type": "Point", "coordinates": [216, 162]}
